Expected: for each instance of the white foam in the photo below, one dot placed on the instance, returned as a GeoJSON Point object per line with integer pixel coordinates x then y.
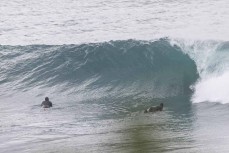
{"type": "Point", "coordinates": [213, 68]}
{"type": "Point", "coordinates": [212, 89]}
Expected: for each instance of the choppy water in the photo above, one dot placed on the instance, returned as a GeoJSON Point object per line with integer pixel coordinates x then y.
{"type": "Point", "coordinates": [77, 21]}
{"type": "Point", "coordinates": [102, 63]}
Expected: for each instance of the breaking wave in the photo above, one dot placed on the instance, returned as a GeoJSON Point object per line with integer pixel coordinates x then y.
{"type": "Point", "coordinates": [155, 69]}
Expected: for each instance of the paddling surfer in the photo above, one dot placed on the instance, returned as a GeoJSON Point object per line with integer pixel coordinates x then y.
{"type": "Point", "coordinates": [154, 108]}
{"type": "Point", "coordinates": [46, 103]}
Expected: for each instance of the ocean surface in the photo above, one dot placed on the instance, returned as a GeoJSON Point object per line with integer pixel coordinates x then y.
{"type": "Point", "coordinates": [102, 63]}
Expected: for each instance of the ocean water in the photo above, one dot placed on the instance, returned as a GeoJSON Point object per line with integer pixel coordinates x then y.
{"type": "Point", "coordinates": [102, 63]}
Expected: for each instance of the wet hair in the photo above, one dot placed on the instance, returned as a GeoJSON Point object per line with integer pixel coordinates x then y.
{"type": "Point", "coordinates": [161, 104]}
{"type": "Point", "coordinates": [46, 99]}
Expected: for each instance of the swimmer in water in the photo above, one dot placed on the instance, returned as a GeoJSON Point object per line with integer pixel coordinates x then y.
{"type": "Point", "coordinates": [154, 108]}
{"type": "Point", "coordinates": [46, 103]}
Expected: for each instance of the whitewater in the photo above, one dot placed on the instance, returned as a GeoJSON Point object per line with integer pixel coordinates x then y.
{"type": "Point", "coordinates": [102, 63]}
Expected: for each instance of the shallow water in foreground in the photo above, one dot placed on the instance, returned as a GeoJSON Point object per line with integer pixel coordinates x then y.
{"type": "Point", "coordinates": [181, 127]}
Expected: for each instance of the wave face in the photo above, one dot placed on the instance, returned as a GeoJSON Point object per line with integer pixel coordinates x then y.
{"type": "Point", "coordinates": [155, 69]}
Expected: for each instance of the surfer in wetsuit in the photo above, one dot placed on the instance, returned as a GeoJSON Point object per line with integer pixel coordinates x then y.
{"type": "Point", "coordinates": [154, 108]}
{"type": "Point", "coordinates": [46, 103]}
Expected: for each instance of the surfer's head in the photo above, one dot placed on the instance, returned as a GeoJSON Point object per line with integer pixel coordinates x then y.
{"type": "Point", "coordinates": [161, 104]}
{"type": "Point", "coordinates": [46, 99]}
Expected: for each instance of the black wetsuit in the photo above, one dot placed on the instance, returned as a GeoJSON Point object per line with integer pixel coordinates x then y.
{"type": "Point", "coordinates": [154, 109]}
{"type": "Point", "coordinates": [46, 104]}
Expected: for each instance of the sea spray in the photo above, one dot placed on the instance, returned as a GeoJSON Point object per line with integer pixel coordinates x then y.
{"type": "Point", "coordinates": [212, 61]}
